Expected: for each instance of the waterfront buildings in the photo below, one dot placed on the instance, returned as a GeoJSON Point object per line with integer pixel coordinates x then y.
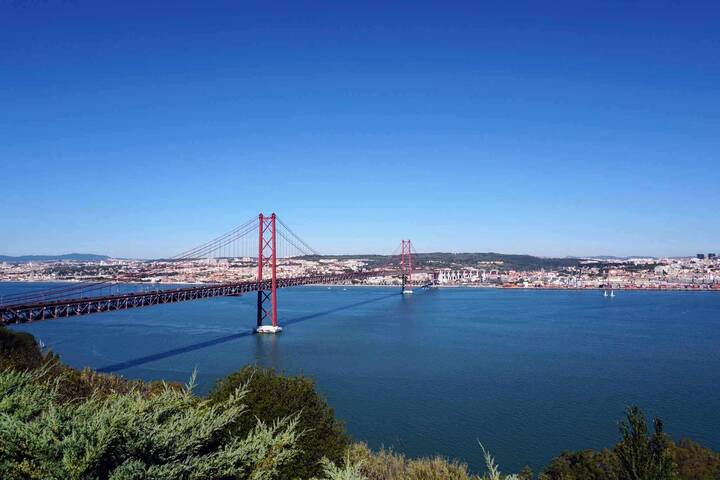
{"type": "Point", "coordinates": [634, 273]}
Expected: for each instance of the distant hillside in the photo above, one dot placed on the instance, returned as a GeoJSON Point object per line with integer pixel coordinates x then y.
{"type": "Point", "coordinates": [509, 261]}
{"type": "Point", "coordinates": [459, 260]}
{"type": "Point", "coordinates": [77, 257]}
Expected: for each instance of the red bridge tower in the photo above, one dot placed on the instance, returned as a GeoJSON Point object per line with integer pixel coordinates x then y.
{"type": "Point", "coordinates": [267, 292]}
{"type": "Point", "coordinates": [406, 266]}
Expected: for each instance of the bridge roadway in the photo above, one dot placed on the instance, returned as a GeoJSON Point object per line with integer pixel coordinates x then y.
{"type": "Point", "coordinates": [30, 312]}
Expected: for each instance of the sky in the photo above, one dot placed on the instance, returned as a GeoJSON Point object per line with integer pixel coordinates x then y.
{"type": "Point", "coordinates": [140, 129]}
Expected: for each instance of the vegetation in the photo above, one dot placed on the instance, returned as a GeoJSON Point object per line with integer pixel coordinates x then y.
{"type": "Point", "coordinates": [170, 435]}
{"type": "Point", "coordinates": [388, 465]}
{"type": "Point", "coordinates": [60, 423]}
{"type": "Point", "coordinates": [509, 262]}
{"type": "Point", "coordinates": [272, 397]}
{"type": "Point", "coordinates": [581, 465]}
{"type": "Point", "coordinates": [19, 350]}
{"type": "Point", "coordinates": [696, 462]}
{"type": "Point", "coordinates": [638, 456]}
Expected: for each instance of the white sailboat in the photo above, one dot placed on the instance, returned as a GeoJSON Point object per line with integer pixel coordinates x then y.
{"type": "Point", "coordinates": [612, 293]}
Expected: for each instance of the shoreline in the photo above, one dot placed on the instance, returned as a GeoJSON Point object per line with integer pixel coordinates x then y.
{"type": "Point", "coordinates": [574, 289]}
{"type": "Point", "coordinates": [330, 285]}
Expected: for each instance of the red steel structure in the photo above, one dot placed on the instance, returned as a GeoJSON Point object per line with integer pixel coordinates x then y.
{"type": "Point", "coordinates": [406, 265]}
{"type": "Point", "coordinates": [267, 257]}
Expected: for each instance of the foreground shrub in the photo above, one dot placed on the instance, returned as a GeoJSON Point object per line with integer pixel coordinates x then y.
{"type": "Point", "coordinates": [349, 471]}
{"type": "Point", "coordinates": [271, 397]}
{"type": "Point", "coordinates": [638, 456]}
{"type": "Point", "coordinates": [388, 465]}
{"type": "Point", "coordinates": [19, 351]}
{"type": "Point", "coordinates": [582, 465]}
{"type": "Point", "coordinates": [78, 385]}
{"type": "Point", "coordinates": [170, 435]}
{"type": "Point", "coordinates": [696, 462]}
{"type": "Point", "coordinates": [642, 456]}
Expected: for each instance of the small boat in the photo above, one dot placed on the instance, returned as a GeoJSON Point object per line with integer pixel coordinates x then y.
{"type": "Point", "coordinates": [612, 293]}
{"type": "Point", "coordinates": [605, 294]}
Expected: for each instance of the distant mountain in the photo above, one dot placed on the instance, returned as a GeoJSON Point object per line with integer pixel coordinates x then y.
{"type": "Point", "coordinates": [76, 257]}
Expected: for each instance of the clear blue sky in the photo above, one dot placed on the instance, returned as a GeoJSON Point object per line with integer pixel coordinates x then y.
{"type": "Point", "coordinates": [549, 128]}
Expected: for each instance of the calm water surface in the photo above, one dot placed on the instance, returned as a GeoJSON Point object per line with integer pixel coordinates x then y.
{"type": "Point", "coordinates": [529, 373]}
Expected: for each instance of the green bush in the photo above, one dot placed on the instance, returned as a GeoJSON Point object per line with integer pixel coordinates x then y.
{"type": "Point", "coordinates": [642, 456]}
{"type": "Point", "coordinates": [271, 397]}
{"type": "Point", "coordinates": [78, 385]}
{"type": "Point", "coordinates": [638, 456]}
{"type": "Point", "coordinates": [388, 465]}
{"type": "Point", "coordinates": [582, 465]}
{"type": "Point", "coordinates": [170, 435]}
{"type": "Point", "coordinates": [19, 350]}
{"type": "Point", "coordinates": [696, 462]}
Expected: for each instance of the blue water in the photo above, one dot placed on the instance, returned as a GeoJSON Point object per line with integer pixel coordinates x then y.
{"type": "Point", "coordinates": [528, 373]}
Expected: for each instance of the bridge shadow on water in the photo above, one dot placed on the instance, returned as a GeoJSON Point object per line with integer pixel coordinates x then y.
{"type": "Point", "coordinates": [228, 338]}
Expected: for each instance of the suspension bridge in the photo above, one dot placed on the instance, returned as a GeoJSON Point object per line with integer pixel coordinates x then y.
{"type": "Point", "coordinates": [266, 236]}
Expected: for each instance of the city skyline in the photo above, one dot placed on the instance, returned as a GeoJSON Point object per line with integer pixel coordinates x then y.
{"type": "Point", "coordinates": [583, 130]}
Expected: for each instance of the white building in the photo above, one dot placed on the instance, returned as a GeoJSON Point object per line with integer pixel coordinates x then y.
{"type": "Point", "coordinates": [466, 275]}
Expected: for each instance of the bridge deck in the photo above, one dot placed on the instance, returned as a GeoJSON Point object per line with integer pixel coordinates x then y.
{"type": "Point", "coordinates": [29, 312]}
